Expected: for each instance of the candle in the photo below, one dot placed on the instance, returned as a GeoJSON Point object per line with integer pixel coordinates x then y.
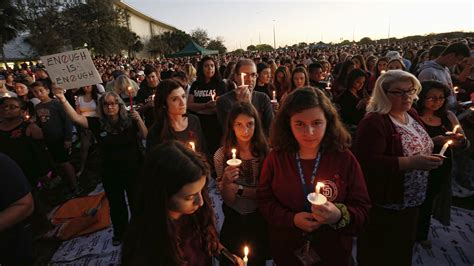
{"type": "Point", "coordinates": [130, 96]}
{"type": "Point", "coordinates": [234, 161]}
{"type": "Point", "coordinates": [316, 198]}
{"type": "Point", "coordinates": [75, 100]}
{"type": "Point", "coordinates": [213, 95]}
{"type": "Point", "coordinates": [455, 129]}
{"type": "Point", "coordinates": [27, 117]}
{"type": "Point", "coordinates": [153, 98]}
{"type": "Point", "coordinates": [456, 89]}
{"type": "Point", "coordinates": [242, 82]}
{"type": "Point", "coordinates": [382, 72]}
{"type": "Point", "coordinates": [319, 185]}
{"type": "Point", "coordinates": [274, 95]}
{"type": "Point", "coordinates": [328, 86]}
{"type": "Point", "coordinates": [445, 147]}
{"type": "Point", "coordinates": [246, 253]}
{"type": "Point", "coordinates": [193, 146]}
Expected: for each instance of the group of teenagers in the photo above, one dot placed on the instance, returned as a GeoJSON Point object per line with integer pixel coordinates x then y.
{"type": "Point", "coordinates": [381, 180]}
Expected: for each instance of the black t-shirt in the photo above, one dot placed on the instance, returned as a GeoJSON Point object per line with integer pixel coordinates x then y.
{"type": "Point", "coordinates": [202, 92]}
{"type": "Point", "coordinates": [192, 133]}
{"type": "Point", "coordinates": [267, 89]}
{"type": "Point", "coordinates": [120, 151]}
{"type": "Point", "coordinates": [13, 183]}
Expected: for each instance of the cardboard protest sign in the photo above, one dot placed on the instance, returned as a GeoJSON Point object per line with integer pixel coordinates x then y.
{"type": "Point", "coordinates": [72, 69]}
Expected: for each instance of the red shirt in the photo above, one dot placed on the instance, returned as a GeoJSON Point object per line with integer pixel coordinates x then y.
{"type": "Point", "coordinates": [281, 197]}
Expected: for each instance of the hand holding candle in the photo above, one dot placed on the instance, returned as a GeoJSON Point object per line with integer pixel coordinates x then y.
{"type": "Point", "coordinates": [274, 99]}
{"type": "Point", "coordinates": [455, 129]}
{"type": "Point", "coordinates": [213, 95]}
{"type": "Point", "coordinates": [316, 198]}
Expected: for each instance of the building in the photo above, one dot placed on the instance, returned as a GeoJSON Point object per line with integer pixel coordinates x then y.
{"type": "Point", "coordinates": [143, 25]}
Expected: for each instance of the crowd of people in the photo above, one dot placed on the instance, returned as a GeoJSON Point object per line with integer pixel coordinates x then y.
{"type": "Point", "coordinates": [377, 126]}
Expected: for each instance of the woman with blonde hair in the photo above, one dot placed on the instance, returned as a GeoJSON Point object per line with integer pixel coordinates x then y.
{"type": "Point", "coordinates": [395, 153]}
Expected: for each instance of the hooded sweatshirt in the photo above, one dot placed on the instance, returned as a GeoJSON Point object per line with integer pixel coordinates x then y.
{"type": "Point", "coordinates": [431, 70]}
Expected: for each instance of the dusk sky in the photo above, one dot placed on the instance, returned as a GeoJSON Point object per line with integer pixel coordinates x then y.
{"type": "Point", "coordinates": [241, 23]}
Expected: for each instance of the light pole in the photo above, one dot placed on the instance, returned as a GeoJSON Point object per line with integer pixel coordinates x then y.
{"type": "Point", "coordinates": [274, 39]}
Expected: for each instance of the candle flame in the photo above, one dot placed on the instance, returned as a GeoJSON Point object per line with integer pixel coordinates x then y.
{"type": "Point", "coordinates": [449, 142]}
{"type": "Point", "coordinates": [382, 72]}
{"type": "Point", "coordinates": [472, 108]}
{"type": "Point", "coordinates": [193, 147]}
{"type": "Point", "coordinates": [234, 150]}
{"type": "Point", "coordinates": [246, 251]}
{"type": "Point", "coordinates": [456, 89]}
{"type": "Point", "coordinates": [319, 185]}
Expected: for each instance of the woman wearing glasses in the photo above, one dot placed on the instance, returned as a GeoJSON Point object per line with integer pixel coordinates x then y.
{"type": "Point", "coordinates": [117, 133]}
{"type": "Point", "coordinates": [437, 120]}
{"type": "Point", "coordinates": [395, 153]}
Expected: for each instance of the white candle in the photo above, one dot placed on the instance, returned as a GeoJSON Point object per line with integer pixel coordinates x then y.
{"type": "Point", "coordinates": [242, 81]}
{"type": "Point", "coordinates": [193, 146]}
{"type": "Point", "coordinates": [234, 161]}
{"type": "Point", "coordinates": [234, 154]}
{"type": "Point", "coordinates": [456, 89]}
{"type": "Point", "coordinates": [316, 198]}
{"type": "Point", "coordinates": [445, 147]}
{"type": "Point", "coordinates": [246, 253]}
{"type": "Point", "coordinates": [382, 72]}
{"type": "Point", "coordinates": [455, 129]}
{"type": "Point", "coordinates": [27, 117]}
{"type": "Point", "coordinates": [328, 86]}
{"type": "Point", "coordinates": [213, 95]}
{"type": "Point", "coordinates": [274, 96]}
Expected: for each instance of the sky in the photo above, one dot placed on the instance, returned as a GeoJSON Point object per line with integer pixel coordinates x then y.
{"type": "Point", "coordinates": [244, 22]}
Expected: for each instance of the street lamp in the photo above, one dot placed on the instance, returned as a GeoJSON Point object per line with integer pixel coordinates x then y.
{"type": "Point", "coordinates": [274, 39]}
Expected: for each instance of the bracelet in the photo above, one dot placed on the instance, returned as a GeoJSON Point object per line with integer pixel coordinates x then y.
{"type": "Point", "coordinates": [345, 217]}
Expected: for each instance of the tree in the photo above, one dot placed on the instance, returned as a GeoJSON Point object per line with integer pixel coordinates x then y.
{"type": "Point", "coordinates": [365, 40]}
{"type": "Point", "coordinates": [10, 23]}
{"type": "Point", "coordinates": [200, 36]}
{"type": "Point", "coordinates": [251, 48]}
{"type": "Point", "coordinates": [239, 51]}
{"type": "Point", "coordinates": [302, 45]}
{"type": "Point", "coordinates": [264, 47]}
{"type": "Point", "coordinates": [346, 42]}
{"type": "Point", "coordinates": [217, 44]}
{"type": "Point", "coordinates": [168, 42]}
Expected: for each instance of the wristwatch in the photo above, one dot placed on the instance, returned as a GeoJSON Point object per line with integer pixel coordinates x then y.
{"type": "Point", "coordinates": [240, 191]}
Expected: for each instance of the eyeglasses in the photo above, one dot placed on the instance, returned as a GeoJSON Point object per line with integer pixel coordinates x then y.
{"type": "Point", "coordinates": [403, 93]}
{"type": "Point", "coordinates": [250, 75]}
{"type": "Point", "coordinates": [113, 104]}
{"type": "Point", "coordinates": [435, 99]}
{"type": "Point", "coordinates": [10, 106]}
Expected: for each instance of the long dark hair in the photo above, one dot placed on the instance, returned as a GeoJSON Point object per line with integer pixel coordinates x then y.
{"type": "Point", "coordinates": [200, 78]}
{"type": "Point", "coordinates": [94, 92]}
{"type": "Point", "coordinates": [153, 238]}
{"type": "Point", "coordinates": [299, 69]}
{"type": "Point", "coordinates": [352, 77]}
{"type": "Point", "coordinates": [336, 136]}
{"type": "Point", "coordinates": [162, 120]}
{"type": "Point", "coordinates": [281, 88]}
{"type": "Point", "coordinates": [442, 112]}
{"type": "Point", "coordinates": [258, 143]}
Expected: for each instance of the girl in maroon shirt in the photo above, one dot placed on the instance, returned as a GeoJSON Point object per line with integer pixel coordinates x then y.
{"type": "Point", "coordinates": [311, 145]}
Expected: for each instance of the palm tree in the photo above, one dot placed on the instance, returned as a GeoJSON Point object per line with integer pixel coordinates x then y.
{"type": "Point", "coordinates": [10, 23]}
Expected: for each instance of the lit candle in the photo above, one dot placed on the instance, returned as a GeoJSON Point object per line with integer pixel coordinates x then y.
{"type": "Point", "coordinates": [382, 72]}
{"type": "Point", "coordinates": [445, 147]}
{"type": "Point", "coordinates": [472, 108]}
{"type": "Point", "coordinates": [456, 89]}
{"type": "Point", "coordinates": [242, 81]}
{"type": "Point", "coordinates": [455, 129]}
{"type": "Point", "coordinates": [27, 117]}
{"type": "Point", "coordinates": [328, 86]}
{"type": "Point", "coordinates": [316, 198]}
{"type": "Point", "coordinates": [246, 253]}
{"type": "Point", "coordinates": [193, 146]}
{"type": "Point", "coordinates": [153, 98]}
{"type": "Point", "coordinates": [274, 95]}
{"type": "Point", "coordinates": [234, 161]}
{"type": "Point", "coordinates": [213, 95]}
{"type": "Point", "coordinates": [319, 185]}
{"type": "Point", "coordinates": [130, 96]}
